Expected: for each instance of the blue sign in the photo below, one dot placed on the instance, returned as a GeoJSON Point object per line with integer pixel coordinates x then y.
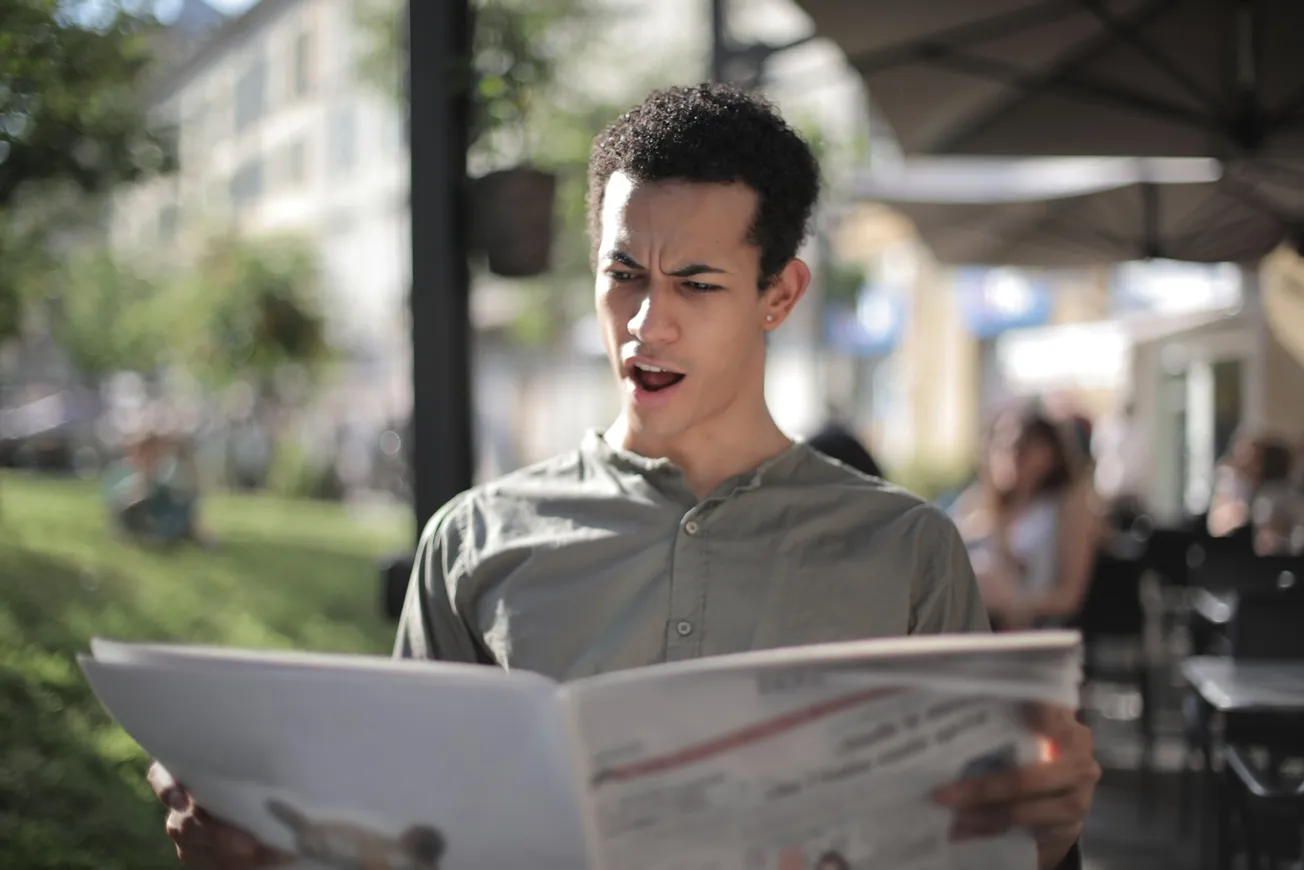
{"type": "Point", "coordinates": [872, 328]}
{"type": "Point", "coordinates": [993, 301]}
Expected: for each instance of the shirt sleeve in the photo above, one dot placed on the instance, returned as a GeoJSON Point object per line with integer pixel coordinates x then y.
{"type": "Point", "coordinates": [945, 598]}
{"type": "Point", "coordinates": [432, 625]}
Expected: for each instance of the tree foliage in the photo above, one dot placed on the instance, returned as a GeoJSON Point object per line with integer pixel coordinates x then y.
{"type": "Point", "coordinates": [72, 75]}
{"type": "Point", "coordinates": [110, 314]}
{"type": "Point", "coordinates": [253, 308]}
{"type": "Point", "coordinates": [249, 309]}
{"type": "Point", "coordinates": [518, 48]}
{"type": "Point", "coordinates": [71, 79]}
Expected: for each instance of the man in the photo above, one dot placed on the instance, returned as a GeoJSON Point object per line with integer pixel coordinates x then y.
{"type": "Point", "coordinates": [693, 526]}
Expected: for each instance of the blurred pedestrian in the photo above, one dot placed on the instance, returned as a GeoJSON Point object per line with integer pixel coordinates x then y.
{"type": "Point", "coordinates": [1254, 462]}
{"type": "Point", "coordinates": [1030, 523]}
{"type": "Point", "coordinates": [837, 442]}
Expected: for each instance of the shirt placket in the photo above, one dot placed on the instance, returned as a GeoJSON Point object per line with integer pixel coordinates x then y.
{"type": "Point", "coordinates": [685, 628]}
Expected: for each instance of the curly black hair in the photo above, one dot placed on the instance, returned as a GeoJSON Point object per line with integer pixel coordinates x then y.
{"type": "Point", "coordinates": [714, 133]}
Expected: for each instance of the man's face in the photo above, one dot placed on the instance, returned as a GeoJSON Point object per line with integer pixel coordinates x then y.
{"type": "Point", "coordinates": [678, 298]}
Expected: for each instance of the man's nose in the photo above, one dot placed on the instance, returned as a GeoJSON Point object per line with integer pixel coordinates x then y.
{"type": "Point", "coordinates": [656, 320]}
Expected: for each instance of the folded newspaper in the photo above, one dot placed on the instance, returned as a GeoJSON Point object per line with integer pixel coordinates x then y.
{"type": "Point", "coordinates": [821, 757]}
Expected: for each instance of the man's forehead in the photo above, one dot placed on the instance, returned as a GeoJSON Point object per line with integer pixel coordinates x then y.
{"type": "Point", "coordinates": [708, 212]}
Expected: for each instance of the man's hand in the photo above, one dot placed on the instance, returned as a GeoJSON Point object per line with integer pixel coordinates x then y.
{"type": "Point", "coordinates": [204, 843]}
{"type": "Point", "coordinates": [1050, 798]}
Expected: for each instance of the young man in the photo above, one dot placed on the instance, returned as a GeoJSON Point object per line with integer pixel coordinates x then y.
{"type": "Point", "coordinates": [693, 526]}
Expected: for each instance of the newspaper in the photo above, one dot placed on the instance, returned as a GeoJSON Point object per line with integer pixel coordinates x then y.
{"type": "Point", "coordinates": [821, 757]}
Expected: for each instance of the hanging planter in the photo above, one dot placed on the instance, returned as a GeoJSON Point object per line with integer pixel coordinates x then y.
{"type": "Point", "coordinates": [512, 220]}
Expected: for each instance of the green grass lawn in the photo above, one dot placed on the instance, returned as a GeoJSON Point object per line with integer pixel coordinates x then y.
{"type": "Point", "coordinates": [285, 574]}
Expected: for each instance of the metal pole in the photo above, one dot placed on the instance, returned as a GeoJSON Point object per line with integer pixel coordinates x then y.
{"type": "Point", "coordinates": [439, 64]}
{"type": "Point", "coordinates": [719, 41]}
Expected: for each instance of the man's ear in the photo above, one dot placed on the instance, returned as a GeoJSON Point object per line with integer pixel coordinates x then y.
{"type": "Point", "coordinates": [784, 292]}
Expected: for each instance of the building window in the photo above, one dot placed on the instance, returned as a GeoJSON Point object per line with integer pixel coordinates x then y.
{"type": "Point", "coordinates": [247, 184]}
{"type": "Point", "coordinates": [251, 94]}
{"type": "Point", "coordinates": [343, 138]}
{"type": "Point", "coordinates": [296, 163]}
{"type": "Point", "coordinates": [301, 75]}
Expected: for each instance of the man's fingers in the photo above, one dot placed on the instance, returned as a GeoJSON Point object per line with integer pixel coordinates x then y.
{"type": "Point", "coordinates": [223, 839]}
{"type": "Point", "coordinates": [974, 828]}
{"type": "Point", "coordinates": [203, 841]}
{"type": "Point", "coordinates": [1051, 811]}
{"type": "Point", "coordinates": [168, 790]}
{"type": "Point", "coordinates": [1075, 770]}
{"type": "Point", "coordinates": [1066, 808]}
{"type": "Point", "coordinates": [1058, 723]}
{"type": "Point", "coordinates": [1008, 785]}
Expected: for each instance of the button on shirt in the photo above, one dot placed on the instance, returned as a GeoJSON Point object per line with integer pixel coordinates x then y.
{"type": "Point", "coordinates": [601, 560]}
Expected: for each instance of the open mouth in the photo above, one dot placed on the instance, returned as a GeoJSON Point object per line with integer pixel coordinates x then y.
{"type": "Point", "coordinates": [654, 378]}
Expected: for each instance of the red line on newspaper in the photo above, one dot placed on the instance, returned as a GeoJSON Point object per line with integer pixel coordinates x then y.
{"type": "Point", "coordinates": [751, 734]}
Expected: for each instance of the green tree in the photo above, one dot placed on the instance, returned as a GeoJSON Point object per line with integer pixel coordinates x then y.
{"type": "Point", "coordinates": [71, 77]}
{"type": "Point", "coordinates": [251, 310]}
{"type": "Point", "coordinates": [71, 115]}
{"type": "Point", "coordinates": [518, 48]}
{"type": "Point", "coordinates": [110, 314]}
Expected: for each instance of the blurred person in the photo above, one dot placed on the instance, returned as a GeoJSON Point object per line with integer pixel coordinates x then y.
{"type": "Point", "coordinates": [1080, 431]}
{"type": "Point", "coordinates": [693, 526]}
{"type": "Point", "coordinates": [152, 492]}
{"type": "Point", "coordinates": [1030, 523]}
{"type": "Point", "coordinates": [1252, 463]}
{"type": "Point", "coordinates": [837, 442]}
{"type": "Point", "coordinates": [1121, 448]}
{"type": "Point", "coordinates": [1277, 521]}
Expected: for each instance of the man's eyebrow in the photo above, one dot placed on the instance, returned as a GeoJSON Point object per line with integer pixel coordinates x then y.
{"type": "Point", "coordinates": [623, 259]}
{"type": "Point", "coordinates": [693, 269]}
{"type": "Point", "coordinates": [689, 271]}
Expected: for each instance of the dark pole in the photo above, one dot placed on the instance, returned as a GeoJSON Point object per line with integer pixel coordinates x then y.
{"type": "Point", "coordinates": [719, 41]}
{"type": "Point", "coordinates": [439, 109]}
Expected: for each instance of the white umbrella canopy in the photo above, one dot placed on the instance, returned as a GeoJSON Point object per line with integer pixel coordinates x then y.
{"type": "Point", "coordinates": [1161, 78]}
{"type": "Point", "coordinates": [1062, 212]}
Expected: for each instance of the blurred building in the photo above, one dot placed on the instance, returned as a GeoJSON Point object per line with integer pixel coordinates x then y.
{"type": "Point", "coordinates": [279, 134]}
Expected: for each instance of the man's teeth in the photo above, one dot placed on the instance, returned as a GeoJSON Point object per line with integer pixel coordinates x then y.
{"type": "Point", "coordinates": [644, 368]}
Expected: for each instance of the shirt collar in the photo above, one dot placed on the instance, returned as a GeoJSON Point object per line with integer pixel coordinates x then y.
{"type": "Point", "coordinates": [662, 473]}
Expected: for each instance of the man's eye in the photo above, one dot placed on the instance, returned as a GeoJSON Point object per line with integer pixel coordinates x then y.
{"type": "Point", "coordinates": [698, 285]}
{"type": "Point", "coordinates": [620, 276]}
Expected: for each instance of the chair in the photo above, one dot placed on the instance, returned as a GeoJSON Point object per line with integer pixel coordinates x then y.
{"type": "Point", "coordinates": [1112, 612]}
{"type": "Point", "coordinates": [1258, 798]}
{"type": "Point", "coordinates": [1231, 571]}
{"type": "Point", "coordinates": [395, 574]}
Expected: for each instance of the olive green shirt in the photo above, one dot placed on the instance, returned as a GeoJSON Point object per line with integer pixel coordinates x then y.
{"type": "Point", "coordinates": [600, 560]}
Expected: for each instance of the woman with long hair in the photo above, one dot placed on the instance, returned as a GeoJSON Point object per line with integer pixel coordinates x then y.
{"type": "Point", "coordinates": [1030, 523]}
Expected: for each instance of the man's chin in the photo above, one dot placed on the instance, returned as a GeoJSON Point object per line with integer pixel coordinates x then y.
{"type": "Point", "coordinates": [656, 424]}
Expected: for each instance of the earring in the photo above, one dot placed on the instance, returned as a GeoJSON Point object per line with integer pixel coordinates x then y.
{"type": "Point", "coordinates": [769, 318]}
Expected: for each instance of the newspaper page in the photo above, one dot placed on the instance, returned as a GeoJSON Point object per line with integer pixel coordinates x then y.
{"type": "Point", "coordinates": [812, 765]}
{"type": "Point", "coordinates": [359, 762]}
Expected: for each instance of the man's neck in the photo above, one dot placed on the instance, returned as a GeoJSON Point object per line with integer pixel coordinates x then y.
{"type": "Point", "coordinates": [709, 454]}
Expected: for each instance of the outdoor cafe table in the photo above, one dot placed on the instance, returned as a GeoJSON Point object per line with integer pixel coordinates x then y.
{"type": "Point", "coordinates": [1229, 686]}
{"type": "Point", "coordinates": [1258, 699]}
